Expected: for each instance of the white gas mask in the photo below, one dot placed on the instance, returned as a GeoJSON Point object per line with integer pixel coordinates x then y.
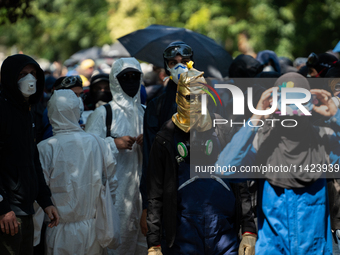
{"type": "Point", "coordinates": [28, 85]}
{"type": "Point", "coordinates": [177, 70]}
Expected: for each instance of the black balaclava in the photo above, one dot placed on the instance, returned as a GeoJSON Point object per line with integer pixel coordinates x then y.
{"type": "Point", "coordinates": [130, 83]}
{"type": "Point", "coordinates": [298, 146]}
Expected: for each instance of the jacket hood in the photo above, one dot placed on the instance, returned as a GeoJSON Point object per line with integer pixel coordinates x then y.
{"type": "Point", "coordinates": [244, 66]}
{"type": "Point", "coordinates": [266, 55]}
{"type": "Point", "coordinates": [64, 111]}
{"type": "Point", "coordinates": [118, 95]}
{"type": "Point", "coordinates": [10, 70]}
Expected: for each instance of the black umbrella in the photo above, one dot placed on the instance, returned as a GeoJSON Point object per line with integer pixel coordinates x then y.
{"type": "Point", "coordinates": [149, 43]}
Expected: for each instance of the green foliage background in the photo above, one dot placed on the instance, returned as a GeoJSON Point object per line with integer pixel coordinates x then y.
{"type": "Point", "coordinates": [57, 29]}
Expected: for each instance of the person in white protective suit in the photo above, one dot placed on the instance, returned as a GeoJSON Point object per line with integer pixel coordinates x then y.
{"type": "Point", "coordinates": [72, 161]}
{"type": "Point", "coordinates": [126, 143]}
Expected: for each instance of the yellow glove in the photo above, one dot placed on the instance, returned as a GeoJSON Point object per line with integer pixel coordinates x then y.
{"type": "Point", "coordinates": [155, 250]}
{"type": "Point", "coordinates": [247, 245]}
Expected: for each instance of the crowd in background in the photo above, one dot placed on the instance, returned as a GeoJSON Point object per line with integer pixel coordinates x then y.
{"type": "Point", "coordinates": [116, 116]}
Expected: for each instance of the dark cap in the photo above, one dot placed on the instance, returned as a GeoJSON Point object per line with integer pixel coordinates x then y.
{"type": "Point", "coordinates": [99, 77]}
{"type": "Point", "coordinates": [129, 69]}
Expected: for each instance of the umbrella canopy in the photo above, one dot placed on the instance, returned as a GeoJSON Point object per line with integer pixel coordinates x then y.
{"type": "Point", "coordinates": [149, 43]}
{"type": "Point", "coordinates": [115, 50]}
{"type": "Point", "coordinates": [93, 53]}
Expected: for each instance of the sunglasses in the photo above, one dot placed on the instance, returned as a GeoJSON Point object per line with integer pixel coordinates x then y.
{"type": "Point", "coordinates": [183, 50]}
{"type": "Point", "coordinates": [70, 81]}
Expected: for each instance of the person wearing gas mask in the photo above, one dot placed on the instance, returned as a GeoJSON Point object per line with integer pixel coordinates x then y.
{"type": "Point", "coordinates": [293, 208]}
{"type": "Point", "coordinates": [73, 83]}
{"type": "Point", "coordinates": [21, 177]}
{"type": "Point", "coordinates": [188, 214]}
{"type": "Point", "coordinates": [175, 56]}
{"type": "Point", "coordinates": [125, 137]}
{"type": "Point", "coordinates": [73, 162]}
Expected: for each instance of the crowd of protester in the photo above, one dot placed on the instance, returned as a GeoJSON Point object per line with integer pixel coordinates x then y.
{"type": "Point", "coordinates": [64, 133]}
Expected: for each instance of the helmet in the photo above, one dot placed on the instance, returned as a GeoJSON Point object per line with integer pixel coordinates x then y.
{"type": "Point", "coordinates": [70, 82]}
{"type": "Point", "coordinates": [174, 49]}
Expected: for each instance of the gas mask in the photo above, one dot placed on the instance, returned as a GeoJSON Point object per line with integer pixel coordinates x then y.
{"type": "Point", "coordinates": [176, 71]}
{"type": "Point", "coordinates": [28, 85]}
{"type": "Point", "coordinates": [197, 146]}
{"type": "Point", "coordinates": [190, 89]}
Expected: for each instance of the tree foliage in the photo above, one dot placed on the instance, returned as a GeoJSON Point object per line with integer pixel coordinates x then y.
{"type": "Point", "coordinates": [59, 28]}
{"type": "Point", "coordinates": [290, 28]}
{"type": "Point", "coordinates": [12, 10]}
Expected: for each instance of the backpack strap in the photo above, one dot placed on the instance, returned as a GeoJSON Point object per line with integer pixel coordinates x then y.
{"type": "Point", "coordinates": [108, 119]}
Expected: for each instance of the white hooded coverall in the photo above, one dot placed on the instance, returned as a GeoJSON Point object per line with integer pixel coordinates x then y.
{"type": "Point", "coordinates": [127, 120]}
{"type": "Point", "coordinates": [72, 161]}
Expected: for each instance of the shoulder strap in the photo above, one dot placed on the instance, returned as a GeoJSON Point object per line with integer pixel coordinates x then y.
{"type": "Point", "coordinates": [108, 119]}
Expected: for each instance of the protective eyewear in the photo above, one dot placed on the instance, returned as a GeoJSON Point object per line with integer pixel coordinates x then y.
{"type": "Point", "coordinates": [69, 82]}
{"type": "Point", "coordinates": [183, 50]}
{"type": "Point", "coordinates": [312, 59]}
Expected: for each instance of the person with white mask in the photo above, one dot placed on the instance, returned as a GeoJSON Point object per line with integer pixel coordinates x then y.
{"type": "Point", "coordinates": [176, 56]}
{"type": "Point", "coordinates": [125, 137]}
{"type": "Point", "coordinates": [73, 162]}
{"type": "Point", "coordinates": [21, 177]}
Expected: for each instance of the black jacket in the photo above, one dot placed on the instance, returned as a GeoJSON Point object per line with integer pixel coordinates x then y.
{"type": "Point", "coordinates": [21, 176]}
{"type": "Point", "coordinates": [162, 188]}
{"type": "Point", "coordinates": [158, 111]}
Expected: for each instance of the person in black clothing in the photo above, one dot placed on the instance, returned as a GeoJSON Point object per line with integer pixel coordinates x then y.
{"type": "Point", "coordinates": [188, 214]}
{"type": "Point", "coordinates": [21, 177]}
{"type": "Point", "coordinates": [161, 108]}
{"type": "Point", "coordinates": [99, 93]}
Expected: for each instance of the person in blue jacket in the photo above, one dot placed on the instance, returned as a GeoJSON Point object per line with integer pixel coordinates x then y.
{"type": "Point", "coordinates": [293, 208]}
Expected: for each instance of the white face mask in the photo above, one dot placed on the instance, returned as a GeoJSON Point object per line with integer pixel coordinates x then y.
{"type": "Point", "coordinates": [28, 85]}
{"type": "Point", "coordinates": [177, 70]}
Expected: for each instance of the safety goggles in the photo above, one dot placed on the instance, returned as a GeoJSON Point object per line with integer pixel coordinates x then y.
{"type": "Point", "coordinates": [70, 82]}
{"type": "Point", "coordinates": [181, 49]}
